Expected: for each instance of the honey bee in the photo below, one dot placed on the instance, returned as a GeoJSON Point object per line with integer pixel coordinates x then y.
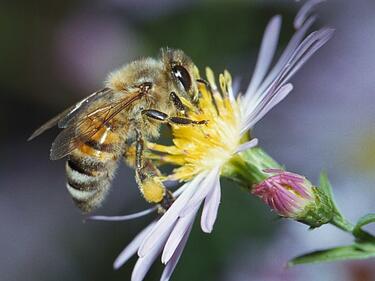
{"type": "Point", "coordinates": [98, 130]}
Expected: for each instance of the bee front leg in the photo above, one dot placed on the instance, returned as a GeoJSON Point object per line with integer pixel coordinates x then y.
{"type": "Point", "coordinates": [177, 103]}
{"type": "Point", "coordinates": [163, 117]}
{"type": "Point", "coordinates": [147, 174]}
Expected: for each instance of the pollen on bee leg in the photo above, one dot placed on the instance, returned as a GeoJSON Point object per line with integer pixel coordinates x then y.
{"type": "Point", "coordinates": [153, 190]}
{"type": "Point", "coordinates": [129, 156]}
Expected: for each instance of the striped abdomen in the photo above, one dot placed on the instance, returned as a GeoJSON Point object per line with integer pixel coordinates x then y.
{"type": "Point", "coordinates": [90, 168]}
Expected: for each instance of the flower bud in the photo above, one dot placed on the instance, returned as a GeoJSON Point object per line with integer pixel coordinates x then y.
{"type": "Point", "coordinates": [293, 196]}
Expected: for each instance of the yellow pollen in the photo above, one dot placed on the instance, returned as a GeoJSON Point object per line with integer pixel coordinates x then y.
{"type": "Point", "coordinates": [199, 148]}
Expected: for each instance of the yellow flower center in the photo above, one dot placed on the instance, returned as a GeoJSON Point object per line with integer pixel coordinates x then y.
{"type": "Point", "coordinates": [199, 148]}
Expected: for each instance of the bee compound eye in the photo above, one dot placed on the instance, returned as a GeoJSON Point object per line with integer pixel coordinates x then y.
{"type": "Point", "coordinates": [182, 75]}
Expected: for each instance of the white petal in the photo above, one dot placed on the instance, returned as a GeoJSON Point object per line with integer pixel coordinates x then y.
{"type": "Point", "coordinates": [144, 263]}
{"type": "Point", "coordinates": [205, 188]}
{"type": "Point", "coordinates": [171, 265]}
{"type": "Point", "coordinates": [292, 59]}
{"type": "Point", "coordinates": [253, 99]}
{"type": "Point", "coordinates": [300, 55]}
{"type": "Point", "coordinates": [267, 50]}
{"type": "Point", "coordinates": [259, 113]}
{"type": "Point", "coordinates": [177, 234]}
{"type": "Point", "coordinates": [304, 12]}
{"type": "Point", "coordinates": [169, 218]}
{"type": "Point", "coordinates": [132, 247]}
{"type": "Point", "coordinates": [285, 57]}
{"type": "Point", "coordinates": [210, 208]}
{"type": "Point", "coordinates": [314, 42]}
{"type": "Point", "coordinates": [123, 218]}
{"type": "Point", "coordinates": [247, 145]}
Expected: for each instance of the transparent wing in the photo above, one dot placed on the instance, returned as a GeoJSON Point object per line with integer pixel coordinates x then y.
{"type": "Point", "coordinates": [84, 126]}
{"type": "Point", "coordinates": [63, 118]}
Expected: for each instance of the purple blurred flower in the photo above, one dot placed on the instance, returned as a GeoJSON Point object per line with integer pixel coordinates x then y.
{"type": "Point", "coordinates": [286, 193]}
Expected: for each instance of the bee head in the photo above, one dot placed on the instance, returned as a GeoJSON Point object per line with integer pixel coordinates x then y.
{"type": "Point", "coordinates": [182, 71]}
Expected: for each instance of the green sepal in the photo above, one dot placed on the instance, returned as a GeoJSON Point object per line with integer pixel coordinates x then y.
{"type": "Point", "coordinates": [318, 212]}
{"type": "Point", "coordinates": [356, 251]}
{"type": "Point", "coordinates": [325, 185]}
{"type": "Point", "coordinates": [337, 218]}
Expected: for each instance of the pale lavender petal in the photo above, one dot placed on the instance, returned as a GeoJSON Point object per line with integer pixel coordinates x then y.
{"type": "Point", "coordinates": [205, 188]}
{"type": "Point", "coordinates": [292, 59]}
{"type": "Point", "coordinates": [276, 99]}
{"type": "Point", "coordinates": [247, 145]}
{"type": "Point", "coordinates": [210, 208]}
{"type": "Point", "coordinates": [303, 52]}
{"type": "Point", "coordinates": [285, 57]}
{"type": "Point", "coordinates": [144, 263]}
{"type": "Point", "coordinates": [260, 112]}
{"type": "Point", "coordinates": [273, 81]}
{"type": "Point", "coordinates": [169, 218]}
{"type": "Point", "coordinates": [282, 61]}
{"type": "Point", "coordinates": [266, 53]}
{"type": "Point", "coordinates": [304, 12]}
{"type": "Point", "coordinates": [132, 247]}
{"type": "Point", "coordinates": [123, 218]}
{"type": "Point", "coordinates": [171, 265]}
{"type": "Point", "coordinates": [177, 234]}
{"type": "Point", "coordinates": [319, 38]}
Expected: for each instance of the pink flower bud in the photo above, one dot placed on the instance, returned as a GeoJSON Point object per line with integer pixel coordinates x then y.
{"type": "Point", "coordinates": [286, 193]}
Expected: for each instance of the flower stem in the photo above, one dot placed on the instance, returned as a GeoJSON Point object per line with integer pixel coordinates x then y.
{"type": "Point", "coordinates": [340, 222]}
{"type": "Point", "coordinates": [359, 234]}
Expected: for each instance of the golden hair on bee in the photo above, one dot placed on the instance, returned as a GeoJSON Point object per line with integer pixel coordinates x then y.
{"type": "Point", "coordinates": [100, 129]}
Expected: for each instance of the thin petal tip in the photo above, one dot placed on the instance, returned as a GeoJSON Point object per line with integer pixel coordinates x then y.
{"type": "Point", "coordinates": [276, 19]}
{"type": "Point", "coordinates": [206, 229]}
{"type": "Point", "coordinates": [116, 265]}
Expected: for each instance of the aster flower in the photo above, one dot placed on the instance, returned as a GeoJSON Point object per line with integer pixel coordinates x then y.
{"type": "Point", "coordinates": [203, 154]}
{"type": "Point", "coordinates": [223, 147]}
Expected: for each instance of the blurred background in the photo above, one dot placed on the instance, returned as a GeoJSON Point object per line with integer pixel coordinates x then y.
{"type": "Point", "coordinates": [53, 53]}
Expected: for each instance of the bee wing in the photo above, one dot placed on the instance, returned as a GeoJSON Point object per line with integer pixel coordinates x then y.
{"type": "Point", "coordinates": [83, 127]}
{"type": "Point", "coordinates": [80, 106]}
{"type": "Point", "coordinates": [63, 118]}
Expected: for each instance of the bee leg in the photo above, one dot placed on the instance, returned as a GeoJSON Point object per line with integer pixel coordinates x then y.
{"type": "Point", "coordinates": [147, 174]}
{"type": "Point", "coordinates": [163, 117]}
{"type": "Point", "coordinates": [177, 103]}
{"type": "Point", "coordinates": [166, 202]}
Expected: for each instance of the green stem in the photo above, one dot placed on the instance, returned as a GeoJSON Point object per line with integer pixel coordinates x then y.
{"type": "Point", "coordinates": [340, 222]}
{"type": "Point", "coordinates": [360, 235]}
